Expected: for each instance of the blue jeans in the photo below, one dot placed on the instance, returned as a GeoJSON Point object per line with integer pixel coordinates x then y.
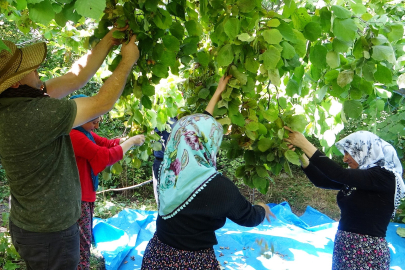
{"type": "Point", "coordinates": [48, 250]}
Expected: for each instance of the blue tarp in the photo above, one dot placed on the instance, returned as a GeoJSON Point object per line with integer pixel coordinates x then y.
{"type": "Point", "coordinates": [288, 242]}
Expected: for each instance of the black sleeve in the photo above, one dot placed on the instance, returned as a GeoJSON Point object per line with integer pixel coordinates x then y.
{"type": "Point", "coordinates": [241, 211]}
{"type": "Point", "coordinates": [375, 178]}
{"type": "Point", "coordinates": [205, 112]}
{"type": "Point", "coordinates": [319, 179]}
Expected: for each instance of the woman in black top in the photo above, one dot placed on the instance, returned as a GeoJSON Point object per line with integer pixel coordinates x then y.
{"type": "Point", "coordinates": [369, 194]}
{"type": "Point", "coordinates": [194, 198]}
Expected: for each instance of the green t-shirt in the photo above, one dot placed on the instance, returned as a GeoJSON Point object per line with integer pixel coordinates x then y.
{"type": "Point", "coordinates": [37, 155]}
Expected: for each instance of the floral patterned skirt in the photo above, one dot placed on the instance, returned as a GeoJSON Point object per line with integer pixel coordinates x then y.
{"type": "Point", "coordinates": [354, 251]}
{"type": "Point", "coordinates": [161, 256]}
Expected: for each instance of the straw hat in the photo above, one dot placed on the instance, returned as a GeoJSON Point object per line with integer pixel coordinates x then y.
{"type": "Point", "coordinates": [16, 65]}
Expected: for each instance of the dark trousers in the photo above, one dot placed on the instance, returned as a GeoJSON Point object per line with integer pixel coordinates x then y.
{"type": "Point", "coordinates": [48, 250]}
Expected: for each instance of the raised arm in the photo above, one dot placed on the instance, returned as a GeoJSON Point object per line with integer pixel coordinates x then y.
{"type": "Point", "coordinates": [83, 69]}
{"type": "Point", "coordinates": [298, 139]}
{"type": "Point", "coordinates": [217, 95]}
{"type": "Point", "coordinates": [91, 107]}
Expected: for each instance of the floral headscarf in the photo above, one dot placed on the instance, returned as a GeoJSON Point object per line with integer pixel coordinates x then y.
{"type": "Point", "coordinates": [369, 150]}
{"type": "Point", "coordinates": [189, 162]}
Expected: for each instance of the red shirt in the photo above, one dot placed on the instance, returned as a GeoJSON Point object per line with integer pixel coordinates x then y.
{"type": "Point", "coordinates": [96, 156]}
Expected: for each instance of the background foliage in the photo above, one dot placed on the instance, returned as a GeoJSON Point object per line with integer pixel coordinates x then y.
{"type": "Point", "coordinates": [312, 65]}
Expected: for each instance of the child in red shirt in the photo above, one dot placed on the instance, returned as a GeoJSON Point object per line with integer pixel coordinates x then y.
{"type": "Point", "coordinates": [93, 154]}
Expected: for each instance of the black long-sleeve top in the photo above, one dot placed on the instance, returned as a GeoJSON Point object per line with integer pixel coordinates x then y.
{"type": "Point", "coordinates": [193, 228]}
{"type": "Point", "coordinates": [365, 199]}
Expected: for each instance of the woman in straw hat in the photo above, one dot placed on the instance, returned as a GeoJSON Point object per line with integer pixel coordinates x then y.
{"type": "Point", "coordinates": [36, 151]}
{"type": "Point", "coordinates": [369, 193]}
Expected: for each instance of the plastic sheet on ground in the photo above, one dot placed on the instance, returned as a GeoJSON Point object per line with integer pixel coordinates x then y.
{"type": "Point", "coordinates": [288, 242]}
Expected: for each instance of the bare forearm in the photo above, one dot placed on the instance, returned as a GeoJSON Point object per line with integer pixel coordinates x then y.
{"type": "Point", "coordinates": [214, 100]}
{"type": "Point", "coordinates": [92, 107]}
{"type": "Point", "coordinates": [308, 148]}
{"type": "Point", "coordinates": [126, 145]}
{"type": "Point", "coordinates": [81, 71]}
{"type": "Point", "coordinates": [113, 86]}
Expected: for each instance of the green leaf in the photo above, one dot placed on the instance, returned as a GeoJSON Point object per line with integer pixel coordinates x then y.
{"type": "Point", "coordinates": [312, 31]}
{"type": "Point", "coordinates": [193, 28]}
{"type": "Point", "coordinates": [203, 58]}
{"type": "Point", "coordinates": [4, 46]}
{"type": "Point", "coordinates": [203, 93]}
{"type": "Point", "coordinates": [300, 18]}
{"type": "Point", "coordinates": [190, 46]}
{"type": "Point", "coordinates": [289, 8]}
{"type": "Point", "coordinates": [245, 37]}
{"type": "Point", "coordinates": [262, 172]}
{"type": "Point", "coordinates": [344, 29]}
{"type": "Point", "coordinates": [287, 168]}
{"type": "Point", "coordinates": [252, 126]}
{"type": "Point", "coordinates": [232, 28]}
{"type": "Point", "coordinates": [379, 40]}
{"type": "Point", "coordinates": [380, 105]}
{"type": "Point", "coordinates": [401, 232]}
{"type": "Point", "coordinates": [160, 70]}
{"type": "Point", "coordinates": [366, 16]}
{"type": "Point", "coordinates": [116, 168]}
{"type": "Point", "coordinates": [273, 23]}
{"type": "Point", "coordinates": [292, 157]}
{"type": "Point", "coordinates": [317, 56]}
{"type": "Point", "coordinates": [270, 115]}
{"type": "Point", "coordinates": [287, 32]}
{"type": "Point", "coordinates": [297, 122]}
{"type": "Point", "coordinates": [320, 93]}
{"type": "Point", "coordinates": [333, 59]}
{"type": "Point", "coordinates": [162, 19]}
{"type": "Point", "coordinates": [168, 58]}
{"type": "Point", "coordinates": [272, 36]}
{"type": "Point", "coordinates": [90, 8]}
{"type": "Point", "coordinates": [381, 53]}
{"type": "Point", "coordinates": [118, 35]}
{"type": "Point", "coordinates": [41, 12]}
{"type": "Point", "coordinates": [340, 46]}
{"type": "Point", "coordinates": [171, 43]}
{"type": "Point", "coordinates": [259, 182]}
{"type": "Point", "coordinates": [240, 171]}
{"type": "Point", "coordinates": [341, 12]}
{"type": "Point", "coordinates": [274, 76]}
{"type": "Point", "coordinates": [270, 57]}
{"type": "Point", "coordinates": [225, 55]}
{"type": "Point", "coordinates": [264, 144]}
{"type": "Point", "coordinates": [292, 88]}
{"type": "Point", "coordinates": [246, 6]}
{"type": "Point", "coordinates": [148, 89]}
{"type": "Point", "coordinates": [251, 64]}
{"type": "Point", "coordinates": [358, 8]}
{"type": "Point", "coordinates": [397, 32]}
{"type": "Point", "coordinates": [288, 50]}
{"type": "Point", "coordinates": [151, 5]}
{"type": "Point", "coordinates": [238, 75]}
{"type": "Point", "coordinates": [238, 119]}
{"type": "Point", "coordinates": [352, 108]}
{"type": "Point", "coordinates": [146, 102]}
{"type": "Point", "coordinates": [177, 30]}
{"type": "Point", "coordinates": [383, 74]}
{"type": "Point", "coordinates": [157, 146]}
{"type": "Point", "coordinates": [345, 77]}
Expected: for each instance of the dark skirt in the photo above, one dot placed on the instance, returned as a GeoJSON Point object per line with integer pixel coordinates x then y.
{"type": "Point", "coordinates": [161, 256]}
{"type": "Point", "coordinates": [354, 251]}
